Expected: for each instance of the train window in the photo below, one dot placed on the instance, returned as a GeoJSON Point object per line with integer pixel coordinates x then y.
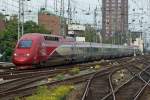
{"type": "Point", "coordinates": [49, 38]}
{"type": "Point", "coordinates": [25, 44]}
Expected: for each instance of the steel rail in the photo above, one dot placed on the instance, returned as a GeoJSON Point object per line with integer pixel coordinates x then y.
{"type": "Point", "coordinates": [117, 89]}
{"type": "Point", "coordinates": [29, 90]}
{"type": "Point", "coordinates": [90, 82]}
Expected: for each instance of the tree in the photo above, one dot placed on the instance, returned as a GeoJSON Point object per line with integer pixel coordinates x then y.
{"type": "Point", "coordinates": [2, 17]}
{"type": "Point", "coordinates": [32, 27]}
{"type": "Point", "coordinates": [90, 34]}
{"type": "Point", "coordinates": [8, 37]}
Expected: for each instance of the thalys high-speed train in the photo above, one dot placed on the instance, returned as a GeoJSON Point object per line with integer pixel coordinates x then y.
{"type": "Point", "coordinates": [47, 50]}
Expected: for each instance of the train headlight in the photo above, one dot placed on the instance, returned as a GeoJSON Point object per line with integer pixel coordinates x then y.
{"type": "Point", "coordinates": [27, 54]}
{"type": "Point", "coordinates": [15, 54]}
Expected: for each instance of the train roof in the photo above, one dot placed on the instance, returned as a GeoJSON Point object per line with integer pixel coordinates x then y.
{"type": "Point", "coordinates": [70, 39]}
{"type": "Point", "coordinates": [48, 35]}
{"type": "Point", "coordinates": [39, 34]}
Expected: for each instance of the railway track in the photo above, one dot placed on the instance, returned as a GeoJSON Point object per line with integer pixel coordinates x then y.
{"type": "Point", "coordinates": [103, 63]}
{"type": "Point", "coordinates": [24, 81]}
{"type": "Point", "coordinates": [27, 79]}
{"type": "Point", "coordinates": [12, 74]}
{"type": "Point", "coordinates": [102, 87]}
{"type": "Point", "coordinates": [25, 91]}
{"type": "Point", "coordinates": [5, 66]}
{"type": "Point", "coordinates": [98, 86]}
{"type": "Point", "coordinates": [136, 88]}
{"type": "Point", "coordinates": [132, 89]}
{"type": "Point", "coordinates": [144, 92]}
{"type": "Point", "coordinates": [42, 71]}
{"type": "Point", "coordinates": [52, 68]}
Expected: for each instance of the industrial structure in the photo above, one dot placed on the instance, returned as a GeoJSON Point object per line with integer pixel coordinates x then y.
{"type": "Point", "coordinates": [52, 23]}
{"type": "Point", "coordinates": [115, 17]}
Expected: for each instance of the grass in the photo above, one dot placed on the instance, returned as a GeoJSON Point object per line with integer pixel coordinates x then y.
{"type": "Point", "coordinates": [75, 70]}
{"type": "Point", "coordinates": [97, 67]}
{"type": "Point", "coordinates": [17, 98]}
{"type": "Point", "coordinates": [60, 77]}
{"type": "Point", "coordinates": [58, 93]}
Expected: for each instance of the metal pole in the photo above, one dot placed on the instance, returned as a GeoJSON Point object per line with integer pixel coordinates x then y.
{"type": "Point", "coordinates": [45, 4]}
{"type": "Point", "coordinates": [141, 35]}
{"type": "Point", "coordinates": [134, 51]}
{"type": "Point", "coordinates": [22, 30]}
{"type": "Point", "coordinates": [69, 12]}
{"type": "Point", "coordinates": [100, 35]}
{"type": "Point", "coordinates": [19, 11]}
{"type": "Point", "coordinates": [62, 17]}
{"type": "Point", "coordinates": [56, 7]}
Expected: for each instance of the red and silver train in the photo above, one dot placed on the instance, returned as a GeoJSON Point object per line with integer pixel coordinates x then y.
{"type": "Point", "coordinates": [48, 50]}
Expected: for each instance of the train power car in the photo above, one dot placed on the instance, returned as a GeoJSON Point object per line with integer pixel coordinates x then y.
{"type": "Point", "coordinates": [48, 50]}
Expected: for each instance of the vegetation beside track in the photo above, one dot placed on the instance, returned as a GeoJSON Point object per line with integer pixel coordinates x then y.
{"type": "Point", "coordinates": [59, 77]}
{"type": "Point", "coordinates": [97, 67]}
{"type": "Point", "coordinates": [75, 70]}
{"type": "Point", "coordinates": [57, 93]}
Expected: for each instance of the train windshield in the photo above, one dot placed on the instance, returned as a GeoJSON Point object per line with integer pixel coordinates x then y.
{"type": "Point", "coordinates": [25, 44]}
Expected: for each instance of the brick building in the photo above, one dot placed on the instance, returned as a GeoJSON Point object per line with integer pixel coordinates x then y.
{"type": "Point", "coordinates": [50, 23]}
{"type": "Point", "coordinates": [115, 17]}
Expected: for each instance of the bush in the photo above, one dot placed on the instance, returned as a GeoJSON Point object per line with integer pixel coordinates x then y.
{"type": "Point", "coordinates": [59, 77]}
{"type": "Point", "coordinates": [75, 70]}
{"type": "Point", "coordinates": [58, 93]}
{"type": "Point", "coordinates": [17, 98]}
{"type": "Point", "coordinates": [97, 67]}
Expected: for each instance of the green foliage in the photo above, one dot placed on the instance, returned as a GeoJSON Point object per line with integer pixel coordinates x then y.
{"type": "Point", "coordinates": [58, 93]}
{"type": "Point", "coordinates": [90, 34]}
{"type": "Point", "coordinates": [44, 11]}
{"type": "Point", "coordinates": [97, 67]}
{"type": "Point", "coordinates": [32, 27]}
{"type": "Point", "coordinates": [118, 38]}
{"type": "Point", "coordinates": [59, 77]}
{"type": "Point", "coordinates": [17, 98]}
{"type": "Point", "coordinates": [75, 70]}
{"type": "Point", "coordinates": [2, 17]}
{"type": "Point", "coordinates": [121, 38]}
{"type": "Point", "coordinates": [42, 89]}
{"type": "Point", "coordinates": [8, 37]}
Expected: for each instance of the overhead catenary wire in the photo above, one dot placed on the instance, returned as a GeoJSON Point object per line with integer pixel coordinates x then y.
{"type": "Point", "coordinates": [77, 8]}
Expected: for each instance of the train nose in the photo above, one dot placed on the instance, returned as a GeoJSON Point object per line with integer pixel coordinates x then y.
{"type": "Point", "coordinates": [25, 55]}
{"type": "Point", "coordinates": [21, 59]}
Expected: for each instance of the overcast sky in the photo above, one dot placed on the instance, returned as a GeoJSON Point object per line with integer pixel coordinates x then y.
{"type": "Point", "coordinates": [139, 10]}
{"type": "Point", "coordinates": [11, 6]}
